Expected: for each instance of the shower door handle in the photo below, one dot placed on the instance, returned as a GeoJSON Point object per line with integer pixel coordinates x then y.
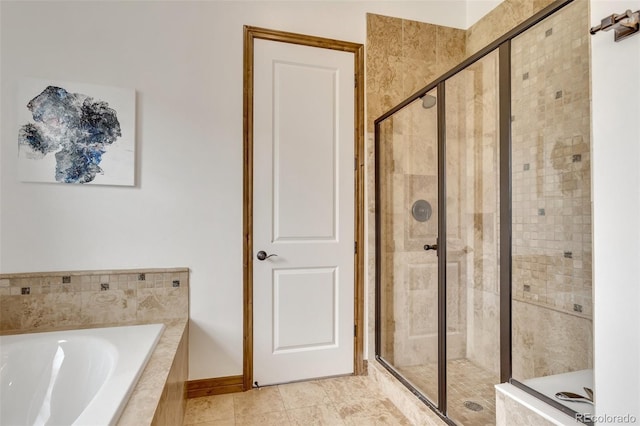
{"type": "Point", "coordinates": [431, 247]}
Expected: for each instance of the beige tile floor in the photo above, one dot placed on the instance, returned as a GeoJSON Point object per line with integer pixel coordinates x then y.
{"type": "Point", "coordinates": [353, 400]}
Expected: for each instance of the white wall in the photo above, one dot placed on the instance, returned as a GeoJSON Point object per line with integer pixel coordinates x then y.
{"type": "Point", "coordinates": [184, 59]}
{"type": "Point", "coordinates": [476, 9]}
{"type": "Point", "coordinates": [616, 215]}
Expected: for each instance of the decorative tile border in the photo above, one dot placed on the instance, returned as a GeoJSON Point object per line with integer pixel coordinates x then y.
{"type": "Point", "coordinates": [50, 300]}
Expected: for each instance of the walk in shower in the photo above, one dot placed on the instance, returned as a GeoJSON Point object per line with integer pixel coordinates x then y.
{"type": "Point", "coordinates": [483, 224]}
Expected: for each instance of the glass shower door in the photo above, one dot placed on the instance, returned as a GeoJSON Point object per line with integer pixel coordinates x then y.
{"type": "Point", "coordinates": [439, 319]}
{"type": "Point", "coordinates": [472, 245]}
{"type": "Point", "coordinates": [408, 208]}
{"type": "Point", "coordinates": [496, 173]}
{"type": "Point", "coordinates": [552, 302]}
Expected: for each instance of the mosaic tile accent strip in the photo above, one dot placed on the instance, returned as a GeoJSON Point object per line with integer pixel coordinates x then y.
{"type": "Point", "coordinates": [41, 301]}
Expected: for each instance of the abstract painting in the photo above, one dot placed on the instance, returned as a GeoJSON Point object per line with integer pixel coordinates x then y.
{"type": "Point", "coordinates": [76, 133]}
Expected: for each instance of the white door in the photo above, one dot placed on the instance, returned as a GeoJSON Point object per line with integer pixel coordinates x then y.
{"type": "Point", "coordinates": [303, 191]}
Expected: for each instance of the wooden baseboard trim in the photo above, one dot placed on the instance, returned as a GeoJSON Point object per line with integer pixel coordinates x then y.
{"type": "Point", "coordinates": [214, 386]}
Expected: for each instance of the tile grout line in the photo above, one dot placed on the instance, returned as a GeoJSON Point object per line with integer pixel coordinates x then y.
{"type": "Point", "coordinates": [284, 406]}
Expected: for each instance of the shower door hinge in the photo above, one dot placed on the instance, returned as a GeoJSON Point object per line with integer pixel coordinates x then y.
{"type": "Point", "coordinates": [355, 247]}
{"type": "Point", "coordinates": [355, 330]}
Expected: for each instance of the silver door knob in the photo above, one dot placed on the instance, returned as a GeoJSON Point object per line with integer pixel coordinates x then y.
{"type": "Point", "coordinates": [262, 255]}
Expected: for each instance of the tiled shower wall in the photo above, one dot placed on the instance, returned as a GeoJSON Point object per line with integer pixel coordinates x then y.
{"type": "Point", "coordinates": [391, 77]}
{"type": "Point", "coordinates": [506, 16]}
{"type": "Point", "coordinates": [472, 184]}
{"type": "Point", "coordinates": [47, 301]}
{"type": "Point", "coordinates": [551, 178]}
{"type": "Point", "coordinates": [402, 56]}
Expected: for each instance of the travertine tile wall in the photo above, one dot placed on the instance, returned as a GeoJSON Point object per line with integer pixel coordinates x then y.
{"type": "Point", "coordinates": [472, 184]}
{"type": "Point", "coordinates": [45, 301]}
{"type": "Point", "coordinates": [388, 63]}
{"type": "Point", "coordinates": [559, 177]}
{"type": "Point", "coordinates": [506, 16]}
{"type": "Point", "coordinates": [402, 56]}
{"type": "Point", "coordinates": [551, 163]}
{"type": "Point", "coordinates": [551, 178]}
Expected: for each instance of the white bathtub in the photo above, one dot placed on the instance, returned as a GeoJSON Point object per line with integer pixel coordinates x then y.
{"type": "Point", "coordinates": [77, 377]}
{"type": "Point", "coordinates": [574, 382]}
{"type": "Point", "coordinates": [515, 406]}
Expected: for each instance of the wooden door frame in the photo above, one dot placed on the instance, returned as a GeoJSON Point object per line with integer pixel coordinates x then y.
{"type": "Point", "coordinates": [250, 34]}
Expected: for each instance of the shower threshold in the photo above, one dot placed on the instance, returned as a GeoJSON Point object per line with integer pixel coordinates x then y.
{"type": "Point", "coordinates": [470, 393]}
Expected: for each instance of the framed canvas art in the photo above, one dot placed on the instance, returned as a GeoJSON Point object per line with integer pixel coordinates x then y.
{"type": "Point", "coordinates": [76, 133]}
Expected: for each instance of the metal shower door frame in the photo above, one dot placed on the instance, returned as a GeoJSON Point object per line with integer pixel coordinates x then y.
{"type": "Point", "coordinates": [503, 46]}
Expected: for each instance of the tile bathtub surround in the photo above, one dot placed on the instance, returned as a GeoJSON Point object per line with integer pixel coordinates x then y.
{"type": "Point", "coordinates": [159, 397]}
{"type": "Point", "coordinates": [56, 300]}
{"type": "Point", "coordinates": [86, 299]}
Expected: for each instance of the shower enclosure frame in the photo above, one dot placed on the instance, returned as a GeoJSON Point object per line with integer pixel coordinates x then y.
{"type": "Point", "coordinates": [503, 46]}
